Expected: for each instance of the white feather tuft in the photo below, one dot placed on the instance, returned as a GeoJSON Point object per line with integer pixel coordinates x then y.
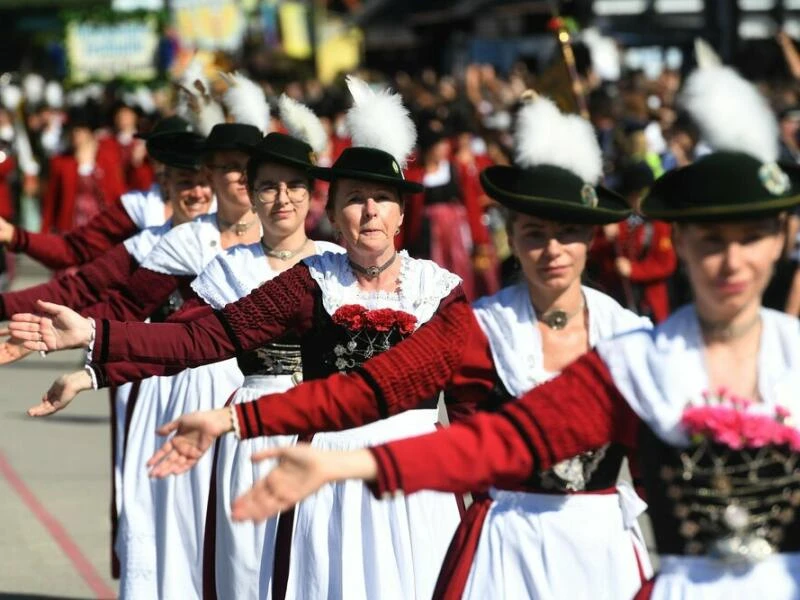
{"type": "Point", "coordinates": [246, 101]}
{"type": "Point", "coordinates": [379, 120]}
{"type": "Point", "coordinates": [545, 136]}
{"type": "Point", "coordinates": [11, 96]}
{"type": "Point", "coordinates": [194, 99]}
{"type": "Point", "coordinates": [33, 87]}
{"type": "Point", "coordinates": [54, 94]}
{"type": "Point", "coordinates": [301, 122]}
{"type": "Point", "coordinates": [731, 113]}
{"type": "Point", "coordinates": [706, 55]}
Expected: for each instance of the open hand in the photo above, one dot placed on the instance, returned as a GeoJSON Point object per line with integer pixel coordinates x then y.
{"type": "Point", "coordinates": [57, 328]}
{"type": "Point", "coordinates": [194, 434]}
{"type": "Point", "coordinates": [6, 231]}
{"type": "Point", "coordinates": [61, 393]}
{"type": "Point", "coordinates": [12, 349]}
{"type": "Point", "coordinates": [301, 471]}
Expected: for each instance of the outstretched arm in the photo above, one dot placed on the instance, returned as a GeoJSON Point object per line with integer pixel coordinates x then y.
{"type": "Point", "coordinates": [578, 411]}
{"type": "Point", "coordinates": [57, 251]}
{"type": "Point", "coordinates": [448, 351]}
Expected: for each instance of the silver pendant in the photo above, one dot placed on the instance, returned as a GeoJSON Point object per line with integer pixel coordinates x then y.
{"type": "Point", "coordinates": [556, 319]}
{"type": "Point", "coordinates": [372, 272]}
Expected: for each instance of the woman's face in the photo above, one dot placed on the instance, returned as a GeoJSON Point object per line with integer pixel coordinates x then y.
{"type": "Point", "coordinates": [552, 254]}
{"type": "Point", "coordinates": [227, 174]}
{"type": "Point", "coordinates": [80, 136]}
{"type": "Point", "coordinates": [281, 198]}
{"type": "Point", "coordinates": [729, 264]}
{"type": "Point", "coordinates": [189, 193]}
{"type": "Point", "coordinates": [368, 216]}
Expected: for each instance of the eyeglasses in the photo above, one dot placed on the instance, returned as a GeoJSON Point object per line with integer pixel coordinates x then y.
{"type": "Point", "coordinates": [296, 191]}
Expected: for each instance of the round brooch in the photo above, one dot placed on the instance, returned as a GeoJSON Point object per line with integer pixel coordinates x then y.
{"type": "Point", "coordinates": [396, 167]}
{"type": "Point", "coordinates": [589, 195]}
{"type": "Point", "coordinates": [774, 179]}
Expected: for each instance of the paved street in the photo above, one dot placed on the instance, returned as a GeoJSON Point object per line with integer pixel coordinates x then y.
{"type": "Point", "coordinates": [54, 484]}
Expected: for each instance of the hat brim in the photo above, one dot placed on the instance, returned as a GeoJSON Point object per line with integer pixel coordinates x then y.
{"type": "Point", "coordinates": [501, 184]}
{"type": "Point", "coordinates": [733, 188]}
{"type": "Point", "coordinates": [330, 174]}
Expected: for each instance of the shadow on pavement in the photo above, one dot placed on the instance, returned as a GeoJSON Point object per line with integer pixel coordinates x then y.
{"type": "Point", "coordinates": [59, 419]}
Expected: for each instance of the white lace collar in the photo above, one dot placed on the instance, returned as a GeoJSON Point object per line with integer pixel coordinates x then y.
{"type": "Point", "coordinates": [423, 285]}
{"type": "Point", "coordinates": [509, 321]}
{"type": "Point", "coordinates": [238, 271]}
{"type": "Point", "coordinates": [141, 244]}
{"type": "Point", "coordinates": [187, 249]}
{"type": "Point", "coordinates": [146, 209]}
{"type": "Point", "coordinates": [660, 372]}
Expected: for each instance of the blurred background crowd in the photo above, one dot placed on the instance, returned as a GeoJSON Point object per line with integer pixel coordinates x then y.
{"type": "Point", "coordinates": [82, 79]}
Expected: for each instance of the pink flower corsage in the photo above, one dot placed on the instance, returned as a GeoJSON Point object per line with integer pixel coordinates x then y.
{"type": "Point", "coordinates": [725, 419]}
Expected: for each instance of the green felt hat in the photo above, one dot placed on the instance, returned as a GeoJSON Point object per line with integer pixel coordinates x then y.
{"type": "Point", "coordinates": [367, 164]}
{"type": "Point", "coordinates": [723, 186]}
{"type": "Point", "coordinates": [232, 136]}
{"type": "Point", "coordinates": [182, 150]}
{"type": "Point", "coordinates": [553, 193]}
{"type": "Point", "coordinates": [284, 149]}
{"type": "Point", "coordinates": [173, 124]}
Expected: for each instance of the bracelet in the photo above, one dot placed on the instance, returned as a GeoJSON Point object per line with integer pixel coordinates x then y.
{"type": "Point", "coordinates": [235, 422]}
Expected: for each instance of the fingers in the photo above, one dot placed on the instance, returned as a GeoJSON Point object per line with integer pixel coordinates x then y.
{"type": "Point", "coordinates": [44, 408]}
{"type": "Point", "coordinates": [169, 427]}
{"type": "Point", "coordinates": [23, 318]}
{"type": "Point", "coordinates": [34, 346]}
{"type": "Point", "coordinates": [4, 331]}
{"type": "Point", "coordinates": [50, 308]}
{"type": "Point", "coordinates": [160, 454]}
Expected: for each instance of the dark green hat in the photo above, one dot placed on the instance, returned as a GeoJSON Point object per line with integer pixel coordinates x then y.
{"type": "Point", "coordinates": [553, 193]}
{"type": "Point", "coordinates": [232, 136]}
{"type": "Point", "coordinates": [168, 125]}
{"type": "Point", "coordinates": [182, 150]}
{"type": "Point", "coordinates": [280, 148]}
{"type": "Point", "coordinates": [284, 149]}
{"type": "Point", "coordinates": [723, 186]}
{"type": "Point", "coordinates": [367, 164]}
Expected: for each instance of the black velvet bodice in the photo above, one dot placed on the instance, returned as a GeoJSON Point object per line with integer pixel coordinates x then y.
{"type": "Point", "coordinates": [707, 499]}
{"type": "Point", "coordinates": [277, 358]}
{"type": "Point", "coordinates": [587, 472]}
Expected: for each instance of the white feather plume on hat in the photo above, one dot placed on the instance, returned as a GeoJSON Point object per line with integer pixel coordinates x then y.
{"type": "Point", "coordinates": [11, 96]}
{"type": "Point", "coordinates": [730, 112]}
{"type": "Point", "coordinates": [54, 94]}
{"type": "Point", "coordinates": [380, 120]}
{"type": "Point", "coordinates": [302, 123]}
{"type": "Point", "coordinates": [194, 101]}
{"type": "Point", "coordinates": [246, 101]}
{"type": "Point", "coordinates": [545, 136]}
{"type": "Point", "coordinates": [33, 87]}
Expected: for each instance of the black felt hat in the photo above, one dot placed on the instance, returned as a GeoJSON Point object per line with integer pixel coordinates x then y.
{"type": "Point", "coordinates": [168, 125]}
{"type": "Point", "coordinates": [232, 136]}
{"type": "Point", "coordinates": [553, 193]}
{"type": "Point", "coordinates": [284, 149]}
{"type": "Point", "coordinates": [181, 149]}
{"type": "Point", "coordinates": [367, 164]}
{"type": "Point", "coordinates": [724, 186]}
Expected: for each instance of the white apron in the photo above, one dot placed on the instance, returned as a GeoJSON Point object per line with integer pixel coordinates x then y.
{"type": "Point", "coordinates": [347, 545]}
{"type": "Point", "coordinates": [551, 546]}
{"type": "Point", "coordinates": [239, 546]}
{"type": "Point", "coordinates": [658, 373]}
{"type": "Point", "coordinates": [135, 544]}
